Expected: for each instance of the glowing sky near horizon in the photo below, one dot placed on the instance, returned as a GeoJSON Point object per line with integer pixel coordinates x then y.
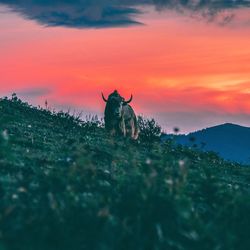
{"type": "Point", "coordinates": [182, 71]}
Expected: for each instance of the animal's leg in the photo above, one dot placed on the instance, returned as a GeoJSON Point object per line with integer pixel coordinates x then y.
{"type": "Point", "coordinates": [123, 128]}
{"type": "Point", "coordinates": [135, 129]}
{"type": "Point", "coordinates": [112, 132]}
{"type": "Point", "coordinates": [132, 129]}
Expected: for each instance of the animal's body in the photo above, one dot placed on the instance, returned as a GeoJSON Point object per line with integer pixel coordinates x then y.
{"type": "Point", "coordinates": [119, 117]}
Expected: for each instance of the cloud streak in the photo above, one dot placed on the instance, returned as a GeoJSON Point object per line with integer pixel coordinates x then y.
{"type": "Point", "coordinates": [34, 92]}
{"type": "Point", "coordinates": [192, 121]}
{"type": "Point", "coordinates": [119, 13]}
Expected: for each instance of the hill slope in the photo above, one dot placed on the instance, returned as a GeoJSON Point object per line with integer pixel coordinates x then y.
{"type": "Point", "coordinates": [230, 141]}
{"type": "Point", "coordinates": [65, 184]}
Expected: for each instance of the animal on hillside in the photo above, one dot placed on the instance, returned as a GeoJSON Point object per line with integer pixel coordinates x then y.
{"type": "Point", "coordinates": [119, 117]}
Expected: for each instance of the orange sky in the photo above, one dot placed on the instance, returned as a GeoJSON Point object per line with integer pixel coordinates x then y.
{"type": "Point", "coordinates": [176, 67]}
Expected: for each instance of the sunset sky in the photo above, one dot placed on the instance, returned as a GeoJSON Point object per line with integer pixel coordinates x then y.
{"type": "Point", "coordinates": [186, 66]}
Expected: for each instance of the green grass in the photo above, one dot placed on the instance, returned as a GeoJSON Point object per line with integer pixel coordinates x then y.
{"type": "Point", "coordinates": [65, 184]}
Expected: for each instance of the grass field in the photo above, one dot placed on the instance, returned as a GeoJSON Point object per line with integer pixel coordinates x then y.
{"type": "Point", "coordinates": [65, 184]}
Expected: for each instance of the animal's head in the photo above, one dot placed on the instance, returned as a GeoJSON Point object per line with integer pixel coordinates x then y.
{"type": "Point", "coordinates": [114, 104]}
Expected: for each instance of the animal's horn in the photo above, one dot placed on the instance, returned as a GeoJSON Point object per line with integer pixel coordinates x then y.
{"type": "Point", "coordinates": [104, 99]}
{"type": "Point", "coordinates": [130, 99]}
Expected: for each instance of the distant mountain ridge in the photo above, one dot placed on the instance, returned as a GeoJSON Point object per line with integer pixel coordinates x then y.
{"type": "Point", "coordinates": [230, 141]}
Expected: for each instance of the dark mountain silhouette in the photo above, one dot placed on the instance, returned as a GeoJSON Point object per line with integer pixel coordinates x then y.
{"type": "Point", "coordinates": [230, 141]}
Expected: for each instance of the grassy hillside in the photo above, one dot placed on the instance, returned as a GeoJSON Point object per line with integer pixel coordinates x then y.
{"type": "Point", "coordinates": [65, 184]}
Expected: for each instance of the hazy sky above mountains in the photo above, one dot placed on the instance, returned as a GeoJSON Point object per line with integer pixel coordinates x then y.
{"type": "Point", "coordinates": [186, 62]}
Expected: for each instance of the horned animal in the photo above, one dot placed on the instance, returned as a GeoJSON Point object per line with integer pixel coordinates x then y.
{"type": "Point", "coordinates": [119, 117]}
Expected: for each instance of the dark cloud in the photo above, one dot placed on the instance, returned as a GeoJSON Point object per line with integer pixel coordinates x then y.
{"type": "Point", "coordinates": [218, 11]}
{"type": "Point", "coordinates": [77, 13]}
{"type": "Point", "coordinates": [113, 13]}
